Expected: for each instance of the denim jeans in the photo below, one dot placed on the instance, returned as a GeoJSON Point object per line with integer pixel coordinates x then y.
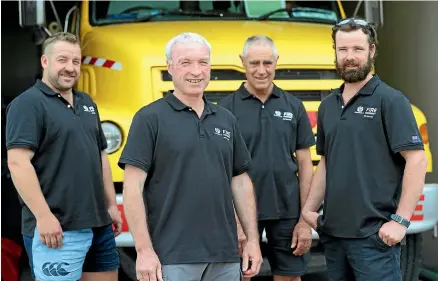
{"type": "Point", "coordinates": [362, 259]}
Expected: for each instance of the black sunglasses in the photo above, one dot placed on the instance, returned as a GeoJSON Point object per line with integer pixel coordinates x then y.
{"type": "Point", "coordinates": [360, 22]}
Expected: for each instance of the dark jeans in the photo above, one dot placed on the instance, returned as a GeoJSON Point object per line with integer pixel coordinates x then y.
{"type": "Point", "coordinates": [363, 259]}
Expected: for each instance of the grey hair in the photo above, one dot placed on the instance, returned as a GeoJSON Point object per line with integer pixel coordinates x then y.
{"type": "Point", "coordinates": [186, 37]}
{"type": "Point", "coordinates": [259, 39]}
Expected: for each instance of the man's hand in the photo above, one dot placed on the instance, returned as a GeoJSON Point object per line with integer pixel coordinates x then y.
{"type": "Point", "coordinates": [252, 258]}
{"type": "Point", "coordinates": [50, 231]}
{"type": "Point", "coordinates": [311, 218]}
{"type": "Point", "coordinates": [148, 267]}
{"type": "Point", "coordinates": [301, 238]}
{"type": "Point", "coordinates": [241, 238]}
{"type": "Point", "coordinates": [116, 219]}
{"type": "Point", "coordinates": [392, 232]}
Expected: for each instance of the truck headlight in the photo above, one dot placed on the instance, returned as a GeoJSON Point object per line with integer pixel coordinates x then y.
{"type": "Point", "coordinates": [113, 137]}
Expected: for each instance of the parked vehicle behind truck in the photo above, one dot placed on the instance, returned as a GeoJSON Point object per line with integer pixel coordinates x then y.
{"type": "Point", "coordinates": [124, 68]}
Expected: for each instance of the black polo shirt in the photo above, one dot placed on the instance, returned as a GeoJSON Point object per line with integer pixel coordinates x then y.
{"type": "Point", "coordinates": [361, 142]}
{"type": "Point", "coordinates": [273, 131]}
{"type": "Point", "coordinates": [67, 144]}
{"type": "Point", "coordinates": [190, 162]}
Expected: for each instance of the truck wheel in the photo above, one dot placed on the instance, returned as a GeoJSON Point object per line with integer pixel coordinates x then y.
{"type": "Point", "coordinates": [411, 257]}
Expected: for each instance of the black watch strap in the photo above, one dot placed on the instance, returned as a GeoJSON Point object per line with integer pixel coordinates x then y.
{"type": "Point", "coordinates": [400, 220]}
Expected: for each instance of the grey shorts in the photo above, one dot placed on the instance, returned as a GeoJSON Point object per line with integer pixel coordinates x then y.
{"type": "Point", "coordinates": [202, 272]}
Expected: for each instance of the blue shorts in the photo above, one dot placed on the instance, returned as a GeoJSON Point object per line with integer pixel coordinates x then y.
{"type": "Point", "coordinates": [86, 250]}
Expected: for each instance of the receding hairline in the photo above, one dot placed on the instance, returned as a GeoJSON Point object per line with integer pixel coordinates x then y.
{"type": "Point", "coordinates": [59, 37]}
{"type": "Point", "coordinates": [187, 45]}
{"type": "Point", "coordinates": [259, 40]}
{"type": "Point", "coordinates": [49, 48]}
{"type": "Point", "coordinates": [184, 39]}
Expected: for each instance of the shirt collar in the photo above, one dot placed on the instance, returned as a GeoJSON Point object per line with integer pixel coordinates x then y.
{"type": "Point", "coordinates": [43, 87]}
{"type": "Point", "coordinates": [367, 89]}
{"type": "Point", "coordinates": [244, 93]}
{"type": "Point", "coordinates": [179, 105]}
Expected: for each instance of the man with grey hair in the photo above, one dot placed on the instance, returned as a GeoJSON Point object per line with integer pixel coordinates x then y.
{"type": "Point", "coordinates": [185, 168]}
{"type": "Point", "coordinates": [275, 126]}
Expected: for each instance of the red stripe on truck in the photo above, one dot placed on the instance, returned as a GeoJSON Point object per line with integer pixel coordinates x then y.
{"type": "Point", "coordinates": [125, 223]}
{"type": "Point", "coordinates": [417, 217]}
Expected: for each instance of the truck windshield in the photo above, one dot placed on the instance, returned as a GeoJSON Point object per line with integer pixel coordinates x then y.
{"type": "Point", "coordinates": [114, 12]}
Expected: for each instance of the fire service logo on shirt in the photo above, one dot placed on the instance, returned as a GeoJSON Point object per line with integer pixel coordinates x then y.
{"type": "Point", "coordinates": [223, 133]}
{"type": "Point", "coordinates": [367, 112]}
{"type": "Point", "coordinates": [89, 109]}
{"type": "Point", "coordinates": [286, 116]}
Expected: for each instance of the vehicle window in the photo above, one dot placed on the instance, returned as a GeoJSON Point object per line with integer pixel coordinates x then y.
{"type": "Point", "coordinates": [112, 12]}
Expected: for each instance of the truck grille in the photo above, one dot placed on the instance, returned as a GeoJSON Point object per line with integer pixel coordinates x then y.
{"type": "Point", "coordinates": [302, 95]}
{"type": "Point", "coordinates": [280, 74]}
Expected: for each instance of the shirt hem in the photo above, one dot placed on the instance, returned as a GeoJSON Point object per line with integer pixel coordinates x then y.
{"type": "Point", "coordinates": [346, 236]}
{"type": "Point", "coordinates": [278, 217]}
{"type": "Point", "coordinates": [21, 145]}
{"type": "Point", "coordinates": [71, 228]}
{"type": "Point", "coordinates": [399, 148]}
{"type": "Point", "coordinates": [203, 260]}
{"type": "Point", "coordinates": [305, 145]}
{"type": "Point", "coordinates": [242, 170]}
{"type": "Point", "coordinates": [135, 163]}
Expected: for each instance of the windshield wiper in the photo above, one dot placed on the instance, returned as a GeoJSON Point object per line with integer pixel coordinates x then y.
{"type": "Point", "coordinates": [267, 15]}
{"type": "Point", "coordinates": [323, 13]}
{"type": "Point", "coordinates": [180, 13]}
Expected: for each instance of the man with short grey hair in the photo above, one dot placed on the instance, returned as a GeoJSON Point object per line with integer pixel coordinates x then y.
{"type": "Point", "coordinates": [275, 126]}
{"type": "Point", "coordinates": [185, 169]}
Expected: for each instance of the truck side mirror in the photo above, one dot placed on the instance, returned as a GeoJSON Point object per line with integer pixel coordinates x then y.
{"type": "Point", "coordinates": [374, 12]}
{"type": "Point", "coordinates": [31, 13]}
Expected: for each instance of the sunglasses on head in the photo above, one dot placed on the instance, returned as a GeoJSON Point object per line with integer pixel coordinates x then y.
{"type": "Point", "coordinates": [359, 22]}
{"type": "Point", "coordinates": [356, 21]}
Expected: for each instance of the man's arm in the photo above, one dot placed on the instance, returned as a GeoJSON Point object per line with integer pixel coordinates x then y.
{"type": "Point", "coordinates": [412, 186]}
{"type": "Point", "coordinates": [110, 194]}
{"type": "Point", "coordinates": [26, 182]}
{"type": "Point", "coordinates": [316, 194]}
{"type": "Point", "coordinates": [134, 207]}
{"type": "Point", "coordinates": [305, 171]}
{"type": "Point", "coordinates": [413, 181]}
{"type": "Point", "coordinates": [302, 233]}
{"type": "Point", "coordinates": [245, 206]}
{"type": "Point", "coordinates": [148, 266]}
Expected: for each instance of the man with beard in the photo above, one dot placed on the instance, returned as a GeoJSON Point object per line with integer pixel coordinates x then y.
{"type": "Point", "coordinates": [275, 128]}
{"type": "Point", "coordinates": [61, 172]}
{"type": "Point", "coordinates": [372, 166]}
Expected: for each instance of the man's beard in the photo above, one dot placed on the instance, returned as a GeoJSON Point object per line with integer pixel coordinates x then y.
{"type": "Point", "coordinates": [354, 75]}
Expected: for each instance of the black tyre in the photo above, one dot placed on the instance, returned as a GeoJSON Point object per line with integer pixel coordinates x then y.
{"type": "Point", "coordinates": [411, 257]}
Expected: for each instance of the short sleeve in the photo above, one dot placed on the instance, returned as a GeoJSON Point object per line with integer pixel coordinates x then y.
{"type": "Point", "coordinates": [401, 126]}
{"type": "Point", "coordinates": [241, 155]}
{"type": "Point", "coordinates": [23, 125]}
{"type": "Point", "coordinates": [320, 136]}
{"type": "Point", "coordinates": [140, 143]}
{"type": "Point", "coordinates": [102, 139]}
{"type": "Point", "coordinates": [305, 136]}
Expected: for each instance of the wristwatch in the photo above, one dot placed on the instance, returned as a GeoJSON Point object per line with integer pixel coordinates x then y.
{"type": "Point", "coordinates": [400, 220]}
